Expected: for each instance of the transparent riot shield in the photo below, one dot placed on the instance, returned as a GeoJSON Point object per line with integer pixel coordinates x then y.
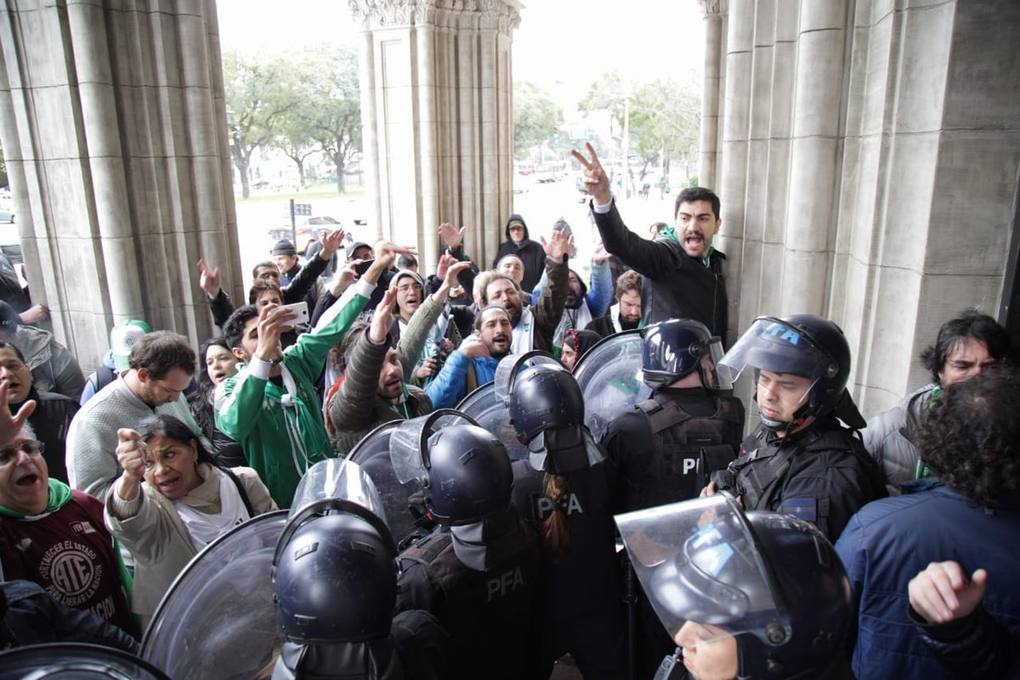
{"type": "Point", "coordinates": [490, 411]}
{"type": "Point", "coordinates": [609, 375]}
{"type": "Point", "coordinates": [75, 661]}
{"type": "Point", "coordinates": [372, 454]}
{"type": "Point", "coordinates": [218, 619]}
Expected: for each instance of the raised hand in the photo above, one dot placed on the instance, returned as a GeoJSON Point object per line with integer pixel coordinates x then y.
{"type": "Point", "coordinates": [385, 255]}
{"type": "Point", "coordinates": [453, 271]}
{"type": "Point", "coordinates": [599, 255]}
{"type": "Point", "coordinates": [445, 260]}
{"type": "Point", "coordinates": [345, 277]}
{"type": "Point", "coordinates": [558, 245]}
{"type": "Point", "coordinates": [10, 425]}
{"type": "Point", "coordinates": [595, 178]}
{"type": "Point", "coordinates": [943, 593]}
{"type": "Point", "coordinates": [331, 242]}
{"type": "Point", "coordinates": [426, 370]}
{"type": "Point", "coordinates": [450, 235]}
{"type": "Point", "coordinates": [273, 320]}
{"type": "Point", "coordinates": [208, 279]}
{"type": "Point", "coordinates": [382, 320]}
{"type": "Point", "coordinates": [131, 454]}
{"type": "Point", "coordinates": [473, 347]}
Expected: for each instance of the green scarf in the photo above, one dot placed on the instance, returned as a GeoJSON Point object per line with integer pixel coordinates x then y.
{"type": "Point", "coordinates": [670, 233]}
{"type": "Point", "coordinates": [60, 494]}
{"type": "Point", "coordinates": [921, 470]}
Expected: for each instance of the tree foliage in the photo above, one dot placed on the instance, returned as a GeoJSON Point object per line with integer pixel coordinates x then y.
{"type": "Point", "coordinates": [336, 107]}
{"type": "Point", "coordinates": [259, 91]}
{"type": "Point", "coordinates": [536, 116]}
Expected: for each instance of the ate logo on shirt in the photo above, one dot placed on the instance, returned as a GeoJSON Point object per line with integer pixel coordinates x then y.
{"type": "Point", "coordinates": [71, 572]}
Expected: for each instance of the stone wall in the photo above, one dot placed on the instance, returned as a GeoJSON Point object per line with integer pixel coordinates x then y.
{"type": "Point", "coordinates": [113, 125]}
{"type": "Point", "coordinates": [869, 165]}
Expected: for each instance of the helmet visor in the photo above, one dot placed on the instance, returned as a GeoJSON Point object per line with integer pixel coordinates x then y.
{"type": "Point", "coordinates": [512, 364]}
{"type": "Point", "coordinates": [697, 562]}
{"type": "Point", "coordinates": [715, 355]}
{"type": "Point", "coordinates": [339, 478]}
{"type": "Point", "coordinates": [408, 443]}
{"type": "Point", "coordinates": [771, 344]}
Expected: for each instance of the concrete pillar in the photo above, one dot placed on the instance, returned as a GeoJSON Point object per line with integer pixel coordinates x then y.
{"type": "Point", "coordinates": [113, 125]}
{"type": "Point", "coordinates": [814, 156]}
{"type": "Point", "coordinates": [709, 153]}
{"type": "Point", "coordinates": [440, 107]}
{"type": "Point", "coordinates": [733, 182]}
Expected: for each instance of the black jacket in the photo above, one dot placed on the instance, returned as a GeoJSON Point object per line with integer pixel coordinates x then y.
{"type": "Point", "coordinates": [678, 285]}
{"type": "Point", "coordinates": [532, 254]}
{"type": "Point", "coordinates": [50, 421]}
{"type": "Point", "coordinates": [828, 478]}
{"type": "Point", "coordinates": [32, 617]}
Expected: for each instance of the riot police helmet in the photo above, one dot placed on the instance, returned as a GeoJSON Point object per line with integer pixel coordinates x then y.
{"type": "Point", "coordinates": [771, 581]}
{"type": "Point", "coordinates": [334, 573]}
{"type": "Point", "coordinates": [469, 474]}
{"type": "Point", "coordinates": [804, 345]}
{"type": "Point", "coordinates": [675, 348]}
{"type": "Point", "coordinates": [544, 398]}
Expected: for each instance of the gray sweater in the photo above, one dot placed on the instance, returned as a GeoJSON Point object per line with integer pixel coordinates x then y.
{"type": "Point", "coordinates": [92, 438]}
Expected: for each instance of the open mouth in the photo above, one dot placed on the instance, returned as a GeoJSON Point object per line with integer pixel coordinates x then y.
{"type": "Point", "coordinates": [694, 239]}
{"type": "Point", "coordinates": [218, 376]}
{"type": "Point", "coordinates": [167, 484]}
{"type": "Point", "coordinates": [27, 480]}
{"type": "Point", "coordinates": [499, 340]}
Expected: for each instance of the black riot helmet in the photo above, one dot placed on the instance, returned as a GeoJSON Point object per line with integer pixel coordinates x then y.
{"type": "Point", "coordinates": [772, 581]}
{"type": "Point", "coordinates": [805, 345]}
{"type": "Point", "coordinates": [674, 348]}
{"type": "Point", "coordinates": [544, 397]}
{"type": "Point", "coordinates": [335, 574]}
{"type": "Point", "coordinates": [469, 475]}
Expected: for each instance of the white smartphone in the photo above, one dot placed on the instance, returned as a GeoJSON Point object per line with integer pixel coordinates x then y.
{"type": "Point", "coordinates": [299, 310]}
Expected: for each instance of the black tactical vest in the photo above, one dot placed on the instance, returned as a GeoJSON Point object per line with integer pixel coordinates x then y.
{"type": "Point", "coordinates": [687, 448]}
{"type": "Point", "coordinates": [487, 614]}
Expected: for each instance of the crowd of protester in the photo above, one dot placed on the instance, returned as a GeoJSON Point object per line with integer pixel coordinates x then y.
{"type": "Point", "coordinates": [900, 529]}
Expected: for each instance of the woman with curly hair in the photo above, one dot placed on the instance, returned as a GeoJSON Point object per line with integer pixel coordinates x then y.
{"type": "Point", "coordinates": [958, 529]}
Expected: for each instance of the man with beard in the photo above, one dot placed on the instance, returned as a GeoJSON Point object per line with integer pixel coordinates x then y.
{"type": "Point", "coordinates": [684, 271]}
{"type": "Point", "coordinates": [375, 388]}
{"type": "Point", "coordinates": [474, 362]}
{"type": "Point", "coordinates": [533, 327]}
{"type": "Point", "coordinates": [625, 315]}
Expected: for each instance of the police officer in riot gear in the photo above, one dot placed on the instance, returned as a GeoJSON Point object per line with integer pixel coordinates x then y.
{"type": "Point", "coordinates": [801, 459]}
{"type": "Point", "coordinates": [565, 489]}
{"type": "Point", "coordinates": [666, 447]}
{"type": "Point", "coordinates": [755, 596]}
{"type": "Point", "coordinates": [478, 571]}
{"type": "Point", "coordinates": [335, 576]}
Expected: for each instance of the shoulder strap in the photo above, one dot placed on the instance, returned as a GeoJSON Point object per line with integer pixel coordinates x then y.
{"type": "Point", "coordinates": [104, 376]}
{"type": "Point", "coordinates": [663, 416]}
{"type": "Point", "coordinates": [240, 489]}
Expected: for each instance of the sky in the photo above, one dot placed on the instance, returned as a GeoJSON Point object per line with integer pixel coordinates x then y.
{"type": "Point", "coordinates": [648, 39]}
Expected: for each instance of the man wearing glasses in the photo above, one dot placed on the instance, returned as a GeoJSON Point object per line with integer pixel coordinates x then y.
{"type": "Point", "coordinates": [160, 369]}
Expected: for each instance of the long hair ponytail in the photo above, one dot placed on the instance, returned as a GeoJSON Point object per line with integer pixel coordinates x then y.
{"type": "Point", "coordinates": [555, 529]}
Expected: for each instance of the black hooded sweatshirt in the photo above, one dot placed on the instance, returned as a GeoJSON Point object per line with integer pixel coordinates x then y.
{"type": "Point", "coordinates": [532, 254]}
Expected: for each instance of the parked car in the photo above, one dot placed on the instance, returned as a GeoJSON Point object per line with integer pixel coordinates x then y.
{"type": "Point", "coordinates": [308, 228]}
{"type": "Point", "coordinates": [6, 216]}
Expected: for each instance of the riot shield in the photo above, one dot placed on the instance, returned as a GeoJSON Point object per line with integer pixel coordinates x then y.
{"type": "Point", "coordinates": [609, 375]}
{"type": "Point", "coordinates": [75, 661]}
{"type": "Point", "coordinates": [372, 454]}
{"type": "Point", "coordinates": [218, 619]}
{"type": "Point", "coordinates": [490, 411]}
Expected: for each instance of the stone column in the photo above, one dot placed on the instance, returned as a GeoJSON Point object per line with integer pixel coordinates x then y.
{"type": "Point", "coordinates": [814, 156]}
{"type": "Point", "coordinates": [440, 97]}
{"type": "Point", "coordinates": [113, 125]}
{"type": "Point", "coordinates": [709, 153]}
{"type": "Point", "coordinates": [733, 182]}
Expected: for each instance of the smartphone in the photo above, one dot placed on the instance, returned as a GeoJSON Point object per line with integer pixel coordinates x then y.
{"type": "Point", "coordinates": [362, 267]}
{"type": "Point", "coordinates": [299, 310]}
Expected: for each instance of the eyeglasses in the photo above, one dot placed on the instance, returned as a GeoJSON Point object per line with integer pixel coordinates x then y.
{"type": "Point", "coordinates": [407, 287]}
{"type": "Point", "coordinates": [27, 446]}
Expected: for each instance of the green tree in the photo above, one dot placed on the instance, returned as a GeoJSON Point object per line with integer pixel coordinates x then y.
{"type": "Point", "coordinates": [295, 135]}
{"type": "Point", "coordinates": [536, 116]}
{"type": "Point", "coordinates": [335, 106]}
{"type": "Point", "coordinates": [665, 121]}
{"type": "Point", "coordinates": [259, 91]}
